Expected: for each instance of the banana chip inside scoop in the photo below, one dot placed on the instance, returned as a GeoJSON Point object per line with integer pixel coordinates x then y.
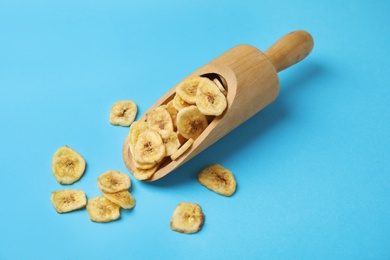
{"type": "Point", "coordinates": [191, 122]}
{"type": "Point", "coordinates": [149, 148]}
{"type": "Point", "coordinates": [209, 99]}
{"type": "Point", "coordinates": [187, 89]}
{"type": "Point", "coordinates": [160, 120]}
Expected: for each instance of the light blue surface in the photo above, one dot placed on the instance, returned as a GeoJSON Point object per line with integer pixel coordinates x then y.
{"type": "Point", "coordinates": [312, 168]}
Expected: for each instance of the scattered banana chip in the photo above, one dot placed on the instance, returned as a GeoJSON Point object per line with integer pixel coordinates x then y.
{"type": "Point", "coordinates": [187, 89]}
{"type": "Point", "coordinates": [209, 99]}
{"type": "Point", "coordinates": [100, 209]}
{"type": "Point", "coordinates": [191, 122]}
{"type": "Point", "coordinates": [67, 165]}
{"type": "Point", "coordinates": [187, 218]}
{"type": "Point", "coordinates": [68, 200]}
{"type": "Point", "coordinates": [149, 147]}
{"type": "Point", "coordinates": [218, 179]}
{"type": "Point", "coordinates": [123, 113]}
{"type": "Point", "coordinates": [113, 181]}
{"type": "Point", "coordinates": [123, 198]}
{"type": "Point", "coordinates": [159, 120]}
{"type": "Point", "coordinates": [182, 149]}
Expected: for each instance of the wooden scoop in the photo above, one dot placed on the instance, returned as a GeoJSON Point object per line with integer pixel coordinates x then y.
{"type": "Point", "coordinates": [252, 83]}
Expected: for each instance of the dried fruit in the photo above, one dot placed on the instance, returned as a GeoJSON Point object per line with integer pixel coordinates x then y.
{"type": "Point", "coordinates": [182, 149]}
{"type": "Point", "coordinates": [123, 112]}
{"type": "Point", "coordinates": [191, 122]}
{"type": "Point", "coordinates": [113, 181]}
{"type": "Point", "coordinates": [187, 218]}
{"type": "Point", "coordinates": [209, 99]}
{"type": "Point", "coordinates": [149, 148]}
{"type": "Point", "coordinates": [171, 141]}
{"type": "Point", "coordinates": [68, 200]}
{"type": "Point", "coordinates": [67, 165]}
{"type": "Point", "coordinates": [100, 209]}
{"type": "Point", "coordinates": [187, 89]}
{"type": "Point", "coordinates": [122, 198]}
{"type": "Point", "coordinates": [218, 179]}
{"type": "Point", "coordinates": [160, 120]}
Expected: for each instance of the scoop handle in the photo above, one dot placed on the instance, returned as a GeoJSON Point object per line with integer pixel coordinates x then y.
{"type": "Point", "coordinates": [290, 49]}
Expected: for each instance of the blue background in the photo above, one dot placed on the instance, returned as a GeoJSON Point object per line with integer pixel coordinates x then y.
{"type": "Point", "coordinates": [312, 168]}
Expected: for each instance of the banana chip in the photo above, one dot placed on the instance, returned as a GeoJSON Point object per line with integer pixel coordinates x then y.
{"type": "Point", "coordinates": [220, 86]}
{"type": "Point", "coordinates": [135, 129]}
{"type": "Point", "coordinates": [68, 200]}
{"type": "Point", "coordinates": [149, 148]}
{"type": "Point", "coordinates": [67, 165]}
{"type": "Point", "coordinates": [123, 112]}
{"type": "Point", "coordinates": [187, 89]}
{"type": "Point", "coordinates": [159, 120]}
{"type": "Point", "coordinates": [123, 198]}
{"type": "Point", "coordinates": [218, 179]}
{"type": "Point", "coordinates": [209, 99]}
{"type": "Point", "coordinates": [187, 218]}
{"type": "Point", "coordinates": [173, 112]}
{"type": "Point", "coordinates": [191, 122]}
{"type": "Point", "coordinates": [100, 209]}
{"type": "Point", "coordinates": [113, 181]}
{"type": "Point", "coordinates": [182, 149]}
{"type": "Point", "coordinates": [144, 174]}
{"type": "Point", "coordinates": [171, 141]}
{"type": "Point", "coordinates": [144, 166]}
{"type": "Point", "coordinates": [179, 103]}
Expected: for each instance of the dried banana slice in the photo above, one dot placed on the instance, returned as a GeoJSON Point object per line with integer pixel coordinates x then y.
{"type": "Point", "coordinates": [149, 148]}
{"type": "Point", "coordinates": [101, 209]}
{"type": "Point", "coordinates": [191, 122]}
{"type": "Point", "coordinates": [113, 181]}
{"type": "Point", "coordinates": [187, 89]}
{"type": "Point", "coordinates": [123, 198]}
{"type": "Point", "coordinates": [135, 129]}
{"type": "Point", "coordinates": [68, 200]}
{"type": "Point", "coordinates": [123, 112]}
{"type": "Point", "coordinates": [218, 179]}
{"type": "Point", "coordinates": [67, 165]}
{"type": "Point", "coordinates": [179, 103]}
{"type": "Point", "coordinates": [171, 141]}
{"type": "Point", "coordinates": [144, 174]}
{"type": "Point", "coordinates": [182, 149]}
{"type": "Point", "coordinates": [160, 119]}
{"type": "Point", "coordinates": [220, 86]}
{"type": "Point", "coordinates": [209, 99]}
{"type": "Point", "coordinates": [144, 166]}
{"type": "Point", "coordinates": [173, 112]}
{"type": "Point", "coordinates": [187, 218]}
{"type": "Point", "coordinates": [223, 81]}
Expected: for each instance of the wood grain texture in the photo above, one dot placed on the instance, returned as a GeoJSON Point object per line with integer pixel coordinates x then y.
{"type": "Point", "coordinates": [252, 84]}
{"type": "Point", "coordinates": [290, 49]}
